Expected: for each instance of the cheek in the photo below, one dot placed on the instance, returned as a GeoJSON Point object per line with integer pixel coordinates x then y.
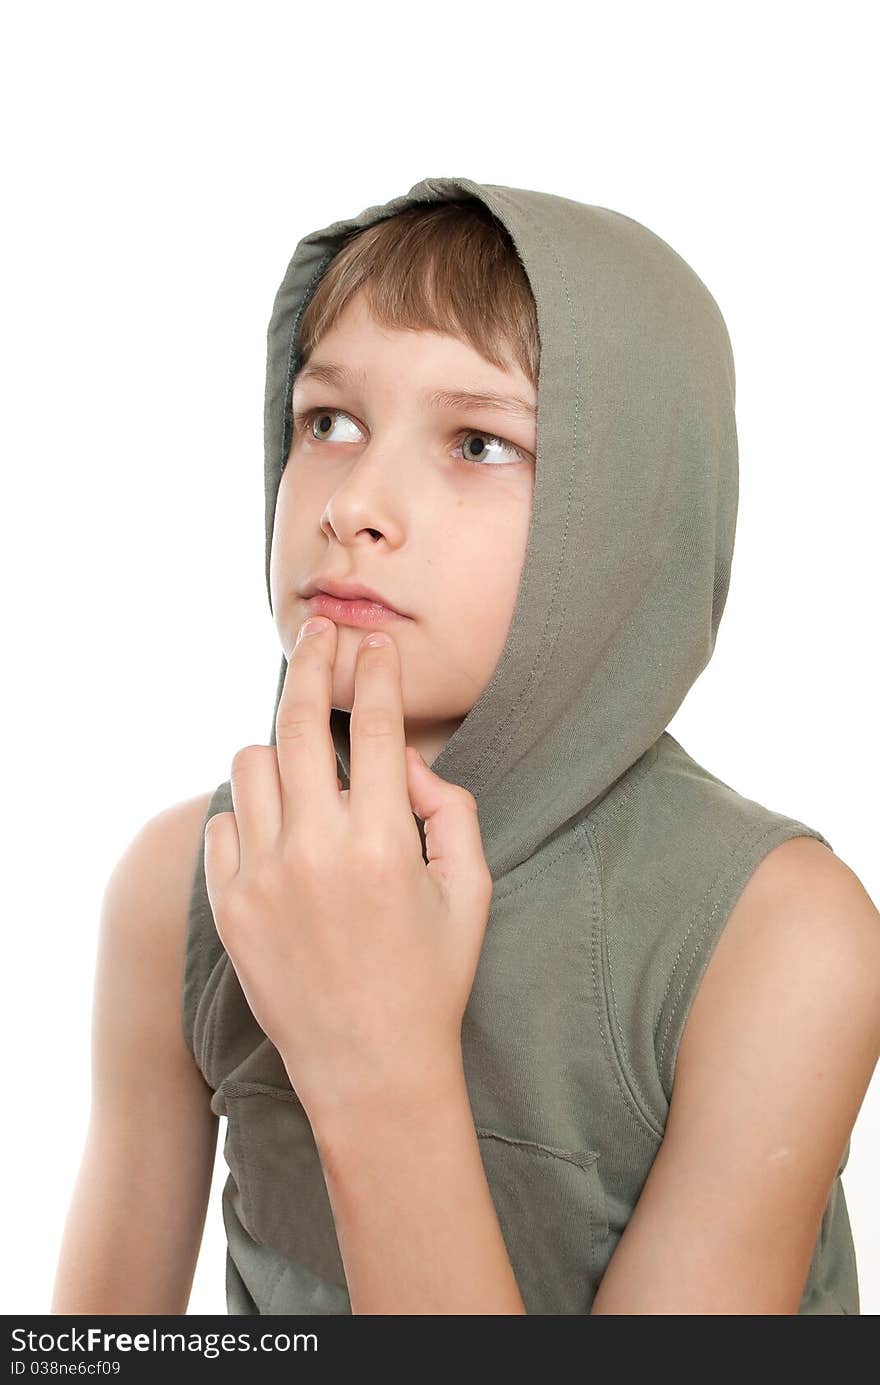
{"type": "Point", "coordinates": [290, 523]}
{"type": "Point", "coordinates": [480, 600]}
{"type": "Point", "coordinates": [498, 550]}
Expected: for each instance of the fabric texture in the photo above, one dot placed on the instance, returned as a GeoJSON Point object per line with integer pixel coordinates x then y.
{"type": "Point", "coordinates": [616, 858]}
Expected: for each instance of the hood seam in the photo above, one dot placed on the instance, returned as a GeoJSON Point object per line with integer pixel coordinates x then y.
{"type": "Point", "coordinates": [524, 701]}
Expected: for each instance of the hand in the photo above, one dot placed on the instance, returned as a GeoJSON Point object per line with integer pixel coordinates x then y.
{"type": "Point", "coordinates": [356, 958]}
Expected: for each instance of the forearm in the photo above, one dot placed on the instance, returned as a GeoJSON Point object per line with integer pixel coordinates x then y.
{"type": "Point", "coordinates": [417, 1228]}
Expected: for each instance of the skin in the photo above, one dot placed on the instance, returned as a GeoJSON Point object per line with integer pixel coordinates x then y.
{"type": "Point", "coordinates": [137, 1211]}
{"type": "Point", "coordinates": [390, 499]}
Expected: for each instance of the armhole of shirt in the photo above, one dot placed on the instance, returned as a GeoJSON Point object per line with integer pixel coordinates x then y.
{"type": "Point", "coordinates": [704, 931]}
{"type": "Point", "coordinates": [203, 946]}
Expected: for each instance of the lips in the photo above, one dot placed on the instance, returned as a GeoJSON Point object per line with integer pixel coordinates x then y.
{"type": "Point", "coordinates": [350, 602]}
{"type": "Point", "coordinates": [351, 592]}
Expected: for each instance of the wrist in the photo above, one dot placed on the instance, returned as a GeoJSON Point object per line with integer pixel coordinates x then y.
{"type": "Point", "coordinates": [390, 1100]}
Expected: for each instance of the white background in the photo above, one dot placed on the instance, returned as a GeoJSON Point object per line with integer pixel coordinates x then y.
{"type": "Point", "coordinates": [160, 164]}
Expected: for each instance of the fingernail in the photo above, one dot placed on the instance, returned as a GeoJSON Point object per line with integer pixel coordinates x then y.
{"type": "Point", "coordinates": [313, 626]}
{"type": "Point", "coordinates": [377, 638]}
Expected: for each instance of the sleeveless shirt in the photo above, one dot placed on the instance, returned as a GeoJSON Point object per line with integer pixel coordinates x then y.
{"type": "Point", "coordinates": [616, 858]}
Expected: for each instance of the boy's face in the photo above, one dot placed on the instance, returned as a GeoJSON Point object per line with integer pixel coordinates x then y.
{"type": "Point", "coordinates": [429, 506]}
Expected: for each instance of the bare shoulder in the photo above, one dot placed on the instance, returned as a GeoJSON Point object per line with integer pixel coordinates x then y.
{"type": "Point", "coordinates": [803, 861]}
{"type": "Point", "coordinates": [801, 884]}
{"type": "Point", "coordinates": [155, 871]}
{"type": "Point", "coordinates": [143, 939]}
{"type": "Point", "coordinates": [805, 931]}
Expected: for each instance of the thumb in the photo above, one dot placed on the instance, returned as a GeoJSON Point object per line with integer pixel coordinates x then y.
{"type": "Point", "coordinates": [452, 831]}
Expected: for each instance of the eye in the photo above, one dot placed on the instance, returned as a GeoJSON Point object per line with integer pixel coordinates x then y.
{"type": "Point", "coordinates": [317, 424]}
{"type": "Point", "coordinates": [304, 421]}
{"type": "Point", "coordinates": [482, 451]}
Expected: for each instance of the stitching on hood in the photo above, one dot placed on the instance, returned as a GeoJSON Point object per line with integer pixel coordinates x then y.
{"type": "Point", "coordinates": [512, 723]}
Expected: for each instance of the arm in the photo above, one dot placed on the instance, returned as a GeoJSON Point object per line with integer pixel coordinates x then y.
{"type": "Point", "coordinates": [417, 1229]}
{"type": "Point", "coordinates": [773, 1066]}
{"type": "Point", "coordinates": [132, 1236]}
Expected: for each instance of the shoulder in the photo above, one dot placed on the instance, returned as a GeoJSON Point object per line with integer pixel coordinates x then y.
{"type": "Point", "coordinates": [802, 943]}
{"type": "Point", "coordinates": [146, 900]}
{"type": "Point", "coordinates": [774, 1062]}
{"type": "Point", "coordinates": [803, 908]}
{"type": "Point", "coordinates": [141, 959]}
{"type": "Point", "coordinates": [154, 873]}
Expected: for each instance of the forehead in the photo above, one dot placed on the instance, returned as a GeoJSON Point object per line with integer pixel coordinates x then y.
{"type": "Point", "coordinates": [336, 374]}
{"type": "Point", "coordinates": [445, 370]}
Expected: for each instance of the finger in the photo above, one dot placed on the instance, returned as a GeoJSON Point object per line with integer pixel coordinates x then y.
{"type": "Point", "coordinates": [256, 798]}
{"type": "Point", "coordinates": [304, 746]}
{"type": "Point", "coordinates": [378, 774]}
{"type": "Point", "coordinates": [222, 855]}
{"type": "Point", "coordinates": [453, 840]}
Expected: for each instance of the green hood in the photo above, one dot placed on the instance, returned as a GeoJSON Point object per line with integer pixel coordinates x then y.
{"type": "Point", "coordinates": [632, 529]}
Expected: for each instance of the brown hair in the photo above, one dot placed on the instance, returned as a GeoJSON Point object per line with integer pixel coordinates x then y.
{"type": "Point", "coordinates": [448, 267]}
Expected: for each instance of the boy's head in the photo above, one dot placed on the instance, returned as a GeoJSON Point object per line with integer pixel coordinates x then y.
{"type": "Point", "coordinates": [393, 479]}
{"type": "Point", "coordinates": [560, 608]}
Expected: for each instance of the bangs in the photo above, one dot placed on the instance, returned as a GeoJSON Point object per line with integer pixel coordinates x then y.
{"type": "Point", "coordinates": [450, 267]}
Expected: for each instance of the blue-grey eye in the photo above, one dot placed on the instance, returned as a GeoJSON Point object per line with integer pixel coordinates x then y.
{"type": "Point", "coordinates": [486, 442]}
{"type": "Point", "coordinates": [321, 422]}
{"type": "Point", "coordinates": [475, 455]}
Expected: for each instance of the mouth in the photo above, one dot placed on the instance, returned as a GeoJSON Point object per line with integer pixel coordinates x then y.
{"type": "Point", "coordinates": [350, 604]}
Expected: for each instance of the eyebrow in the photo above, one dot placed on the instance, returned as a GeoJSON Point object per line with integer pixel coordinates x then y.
{"type": "Point", "coordinates": [330, 374]}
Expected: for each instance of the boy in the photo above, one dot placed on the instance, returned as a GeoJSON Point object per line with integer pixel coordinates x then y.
{"type": "Point", "coordinates": [603, 1054]}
